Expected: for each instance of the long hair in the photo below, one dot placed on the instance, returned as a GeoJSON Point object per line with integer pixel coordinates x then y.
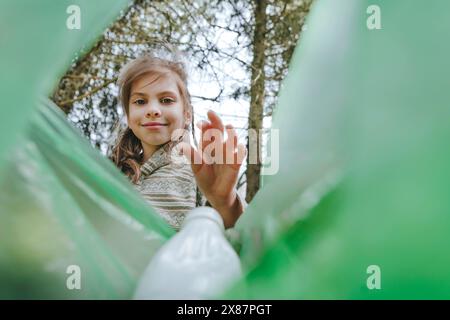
{"type": "Point", "coordinates": [127, 153]}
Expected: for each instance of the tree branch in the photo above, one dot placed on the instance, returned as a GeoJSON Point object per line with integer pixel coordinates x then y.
{"type": "Point", "coordinates": [87, 94]}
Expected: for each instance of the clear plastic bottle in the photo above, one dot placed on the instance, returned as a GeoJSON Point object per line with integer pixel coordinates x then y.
{"type": "Point", "coordinates": [197, 263]}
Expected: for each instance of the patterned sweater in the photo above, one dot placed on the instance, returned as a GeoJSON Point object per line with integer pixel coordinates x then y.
{"type": "Point", "coordinates": [168, 184]}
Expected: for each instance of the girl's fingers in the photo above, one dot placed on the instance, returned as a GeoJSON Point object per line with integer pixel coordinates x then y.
{"type": "Point", "coordinates": [229, 147]}
{"type": "Point", "coordinates": [232, 139]}
{"type": "Point", "coordinates": [216, 122]}
{"type": "Point", "coordinates": [212, 132]}
{"type": "Point", "coordinates": [204, 139]}
{"type": "Point", "coordinates": [202, 123]}
{"type": "Point", "coordinates": [193, 156]}
{"type": "Point", "coordinates": [210, 135]}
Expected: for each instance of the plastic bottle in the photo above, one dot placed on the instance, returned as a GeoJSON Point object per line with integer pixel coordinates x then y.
{"type": "Point", "coordinates": [197, 263]}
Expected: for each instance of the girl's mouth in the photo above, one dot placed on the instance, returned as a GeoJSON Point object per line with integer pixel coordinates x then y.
{"type": "Point", "coordinates": [154, 125]}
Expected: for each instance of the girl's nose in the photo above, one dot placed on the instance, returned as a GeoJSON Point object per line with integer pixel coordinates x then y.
{"type": "Point", "coordinates": [153, 112]}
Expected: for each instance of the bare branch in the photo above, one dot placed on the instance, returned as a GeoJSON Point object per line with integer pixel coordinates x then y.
{"type": "Point", "coordinates": [215, 99]}
{"type": "Point", "coordinates": [87, 94]}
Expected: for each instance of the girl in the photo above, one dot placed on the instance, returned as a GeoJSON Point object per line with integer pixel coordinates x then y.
{"type": "Point", "coordinates": [168, 171]}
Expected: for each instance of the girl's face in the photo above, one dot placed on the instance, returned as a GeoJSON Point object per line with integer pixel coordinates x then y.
{"type": "Point", "coordinates": [156, 109]}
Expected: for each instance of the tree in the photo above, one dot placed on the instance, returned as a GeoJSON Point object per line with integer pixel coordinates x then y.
{"type": "Point", "coordinates": [276, 29]}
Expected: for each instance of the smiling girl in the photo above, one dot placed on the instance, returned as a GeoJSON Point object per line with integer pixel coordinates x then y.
{"type": "Point", "coordinates": [156, 102]}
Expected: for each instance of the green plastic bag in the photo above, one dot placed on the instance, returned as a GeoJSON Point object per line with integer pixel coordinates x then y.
{"type": "Point", "coordinates": [360, 206]}
{"type": "Point", "coordinates": [63, 205]}
{"type": "Point", "coordinates": [38, 45]}
{"type": "Point", "coordinates": [65, 210]}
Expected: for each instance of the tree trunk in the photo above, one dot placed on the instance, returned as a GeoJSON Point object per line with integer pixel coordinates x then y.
{"type": "Point", "coordinates": [255, 118]}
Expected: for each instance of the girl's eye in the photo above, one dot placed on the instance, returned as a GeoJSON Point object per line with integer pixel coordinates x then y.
{"type": "Point", "coordinates": [139, 101]}
{"type": "Point", "coordinates": [167, 100]}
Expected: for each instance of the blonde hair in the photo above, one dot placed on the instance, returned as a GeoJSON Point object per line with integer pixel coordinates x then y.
{"type": "Point", "coordinates": [127, 152]}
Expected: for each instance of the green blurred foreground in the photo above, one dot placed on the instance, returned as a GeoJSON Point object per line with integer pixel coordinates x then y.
{"type": "Point", "coordinates": [364, 123]}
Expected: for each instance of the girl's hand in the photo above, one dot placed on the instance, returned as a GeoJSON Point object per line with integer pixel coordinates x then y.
{"type": "Point", "coordinates": [216, 166]}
